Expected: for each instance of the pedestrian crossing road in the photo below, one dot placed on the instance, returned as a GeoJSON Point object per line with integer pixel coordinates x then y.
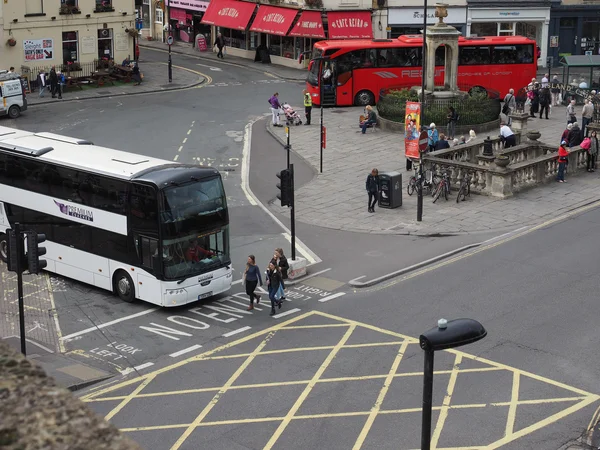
{"type": "Point", "coordinates": [316, 380]}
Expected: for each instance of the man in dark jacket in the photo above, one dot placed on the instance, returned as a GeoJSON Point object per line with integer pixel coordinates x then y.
{"type": "Point", "coordinates": [442, 143]}
{"type": "Point", "coordinates": [220, 43]}
{"type": "Point", "coordinates": [53, 79]}
{"type": "Point", "coordinates": [574, 137]}
{"type": "Point", "coordinates": [545, 100]}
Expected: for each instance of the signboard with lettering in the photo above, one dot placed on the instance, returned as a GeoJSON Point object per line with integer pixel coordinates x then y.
{"type": "Point", "coordinates": [193, 5]}
{"type": "Point", "coordinates": [201, 43]}
{"type": "Point", "coordinates": [25, 83]}
{"type": "Point", "coordinates": [412, 128]}
{"type": "Point", "coordinates": [38, 49]}
{"type": "Point", "coordinates": [350, 25]}
{"type": "Point", "coordinates": [404, 16]}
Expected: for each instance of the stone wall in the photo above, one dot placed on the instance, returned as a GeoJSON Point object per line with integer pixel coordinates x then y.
{"type": "Point", "coordinates": [37, 414]}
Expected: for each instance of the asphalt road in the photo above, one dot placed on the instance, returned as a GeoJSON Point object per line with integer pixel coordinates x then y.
{"type": "Point", "coordinates": [348, 373]}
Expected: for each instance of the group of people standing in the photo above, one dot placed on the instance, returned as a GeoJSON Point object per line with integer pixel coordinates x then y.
{"type": "Point", "coordinates": [275, 275]}
{"type": "Point", "coordinates": [55, 80]}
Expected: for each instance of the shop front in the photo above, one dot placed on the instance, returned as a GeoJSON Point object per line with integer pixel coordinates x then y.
{"type": "Point", "coordinates": [529, 22]}
{"type": "Point", "coordinates": [410, 20]}
{"type": "Point", "coordinates": [574, 30]}
{"type": "Point", "coordinates": [185, 19]}
{"type": "Point", "coordinates": [283, 33]}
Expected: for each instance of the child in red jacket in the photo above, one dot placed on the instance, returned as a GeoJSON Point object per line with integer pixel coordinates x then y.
{"type": "Point", "coordinates": [563, 154]}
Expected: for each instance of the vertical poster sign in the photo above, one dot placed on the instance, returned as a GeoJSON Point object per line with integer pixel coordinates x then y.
{"type": "Point", "coordinates": [412, 129]}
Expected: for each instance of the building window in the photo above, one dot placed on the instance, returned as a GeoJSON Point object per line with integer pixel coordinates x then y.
{"type": "Point", "coordinates": [506, 29]}
{"type": "Point", "coordinates": [159, 17]}
{"type": "Point", "coordinates": [71, 3]}
{"type": "Point", "coordinates": [69, 47]}
{"type": "Point", "coordinates": [104, 6]}
{"type": "Point", "coordinates": [274, 45]}
{"type": "Point", "coordinates": [105, 41]}
{"type": "Point", "coordinates": [34, 6]}
{"type": "Point", "coordinates": [146, 13]}
{"type": "Point", "coordinates": [484, 29]}
{"type": "Point", "coordinates": [288, 47]}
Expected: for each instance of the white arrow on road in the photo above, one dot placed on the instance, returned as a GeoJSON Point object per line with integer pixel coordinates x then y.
{"type": "Point", "coordinates": [216, 69]}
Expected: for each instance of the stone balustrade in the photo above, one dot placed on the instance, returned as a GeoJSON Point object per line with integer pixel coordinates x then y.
{"type": "Point", "coordinates": [531, 164]}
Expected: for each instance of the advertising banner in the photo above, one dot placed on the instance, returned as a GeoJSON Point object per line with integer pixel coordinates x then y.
{"type": "Point", "coordinates": [38, 49]}
{"type": "Point", "coordinates": [412, 129]}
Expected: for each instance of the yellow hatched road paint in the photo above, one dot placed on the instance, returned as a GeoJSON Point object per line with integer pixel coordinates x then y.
{"type": "Point", "coordinates": [200, 419]}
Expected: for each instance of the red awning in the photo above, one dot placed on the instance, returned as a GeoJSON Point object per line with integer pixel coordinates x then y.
{"type": "Point", "coordinates": [229, 14]}
{"type": "Point", "coordinates": [273, 20]}
{"type": "Point", "coordinates": [177, 14]}
{"type": "Point", "coordinates": [309, 24]}
{"type": "Point", "coordinates": [350, 25]}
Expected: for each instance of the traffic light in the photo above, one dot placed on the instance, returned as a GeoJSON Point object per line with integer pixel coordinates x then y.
{"type": "Point", "coordinates": [34, 251]}
{"type": "Point", "coordinates": [285, 187]}
{"type": "Point", "coordinates": [12, 251]}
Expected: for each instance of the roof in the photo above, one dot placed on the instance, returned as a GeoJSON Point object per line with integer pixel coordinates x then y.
{"type": "Point", "coordinates": [417, 40]}
{"type": "Point", "coordinates": [78, 153]}
{"type": "Point", "coordinates": [581, 61]}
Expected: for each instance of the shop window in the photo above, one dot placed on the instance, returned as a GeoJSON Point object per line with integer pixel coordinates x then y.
{"type": "Point", "coordinates": [69, 47]}
{"type": "Point", "coordinates": [105, 40]}
{"type": "Point", "coordinates": [484, 29]}
{"type": "Point", "coordinates": [506, 29]}
{"type": "Point", "coordinates": [238, 39]}
{"type": "Point", "coordinates": [145, 11]}
{"type": "Point", "coordinates": [159, 16]}
{"type": "Point", "coordinates": [34, 7]}
{"type": "Point", "coordinates": [568, 22]}
{"type": "Point", "coordinates": [275, 45]}
{"type": "Point", "coordinates": [288, 47]}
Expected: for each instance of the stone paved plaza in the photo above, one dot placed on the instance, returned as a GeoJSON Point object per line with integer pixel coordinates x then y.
{"type": "Point", "coordinates": [337, 198]}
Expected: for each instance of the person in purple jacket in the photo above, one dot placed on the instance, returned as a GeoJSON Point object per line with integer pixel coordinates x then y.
{"type": "Point", "coordinates": [275, 107]}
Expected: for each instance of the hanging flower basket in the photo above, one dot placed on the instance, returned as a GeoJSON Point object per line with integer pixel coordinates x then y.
{"type": "Point", "coordinates": [132, 32]}
{"type": "Point", "coordinates": [11, 42]}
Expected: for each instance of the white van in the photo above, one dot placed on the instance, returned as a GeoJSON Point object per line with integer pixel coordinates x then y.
{"type": "Point", "coordinates": [12, 95]}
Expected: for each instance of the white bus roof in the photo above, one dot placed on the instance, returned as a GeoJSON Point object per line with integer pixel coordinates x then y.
{"type": "Point", "coordinates": [77, 153]}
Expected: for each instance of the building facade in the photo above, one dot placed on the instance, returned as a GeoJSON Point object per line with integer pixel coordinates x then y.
{"type": "Point", "coordinates": [574, 29]}
{"type": "Point", "coordinates": [406, 16]}
{"type": "Point", "coordinates": [64, 33]}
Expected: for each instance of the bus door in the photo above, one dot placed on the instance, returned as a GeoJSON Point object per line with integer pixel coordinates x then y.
{"type": "Point", "coordinates": [343, 85]}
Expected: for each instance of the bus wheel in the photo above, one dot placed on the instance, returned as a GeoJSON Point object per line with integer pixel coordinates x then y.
{"type": "Point", "coordinates": [364, 98]}
{"type": "Point", "coordinates": [123, 286]}
{"type": "Point", "coordinates": [14, 111]}
{"type": "Point", "coordinates": [3, 248]}
{"type": "Point", "coordinates": [478, 90]}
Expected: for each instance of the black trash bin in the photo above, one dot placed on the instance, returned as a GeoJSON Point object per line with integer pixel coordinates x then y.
{"type": "Point", "coordinates": [390, 190]}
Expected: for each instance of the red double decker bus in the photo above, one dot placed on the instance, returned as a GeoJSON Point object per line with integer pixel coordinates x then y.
{"type": "Point", "coordinates": [354, 71]}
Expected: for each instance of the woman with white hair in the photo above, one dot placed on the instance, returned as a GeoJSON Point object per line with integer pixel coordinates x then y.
{"type": "Point", "coordinates": [472, 136]}
{"type": "Point", "coordinates": [433, 136]}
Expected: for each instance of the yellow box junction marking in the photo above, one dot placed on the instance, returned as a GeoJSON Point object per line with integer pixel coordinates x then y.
{"type": "Point", "coordinates": [577, 401]}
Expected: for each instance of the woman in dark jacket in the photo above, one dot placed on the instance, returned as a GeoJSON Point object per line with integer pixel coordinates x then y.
{"type": "Point", "coordinates": [282, 263]}
{"type": "Point", "coordinates": [372, 186]}
{"type": "Point", "coordinates": [252, 277]}
{"type": "Point", "coordinates": [274, 280]}
{"type": "Point", "coordinates": [574, 138]}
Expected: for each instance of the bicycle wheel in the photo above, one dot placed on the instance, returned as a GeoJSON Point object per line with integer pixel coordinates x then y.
{"type": "Point", "coordinates": [435, 180]}
{"type": "Point", "coordinates": [446, 190]}
{"type": "Point", "coordinates": [461, 194]}
{"type": "Point", "coordinates": [468, 189]}
{"type": "Point", "coordinates": [438, 192]}
{"type": "Point", "coordinates": [412, 183]}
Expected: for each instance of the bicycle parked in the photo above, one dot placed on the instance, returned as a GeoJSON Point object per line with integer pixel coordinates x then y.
{"type": "Point", "coordinates": [465, 188]}
{"type": "Point", "coordinates": [430, 179]}
{"type": "Point", "coordinates": [442, 187]}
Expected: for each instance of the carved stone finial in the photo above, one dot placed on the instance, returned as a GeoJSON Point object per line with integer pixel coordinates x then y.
{"type": "Point", "coordinates": [441, 11]}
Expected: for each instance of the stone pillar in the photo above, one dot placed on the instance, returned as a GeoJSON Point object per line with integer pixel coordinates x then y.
{"type": "Point", "coordinates": [501, 183]}
{"type": "Point", "coordinates": [519, 123]}
{"type": "Point", "coordinates": [446, 35]}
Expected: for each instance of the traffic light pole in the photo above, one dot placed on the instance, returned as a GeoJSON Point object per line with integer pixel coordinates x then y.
{"type": "Point", "coordinates": [20, 251]}
{"type": "Point", "coordinates": [288, 147]}
{"type": "Point", "coordinates": [293, 213]}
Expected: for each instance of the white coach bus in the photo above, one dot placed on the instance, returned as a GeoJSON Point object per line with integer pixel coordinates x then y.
{"type": "Point", "coordinates": [141, 227]}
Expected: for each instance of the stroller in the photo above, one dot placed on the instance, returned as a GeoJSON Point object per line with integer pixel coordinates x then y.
{"type": "Point", "coordinates": [291, 116]}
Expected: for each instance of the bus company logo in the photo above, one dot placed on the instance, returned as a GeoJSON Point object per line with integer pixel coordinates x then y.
{"type": "Point", "coordinates": [229, 12]}
{"type": "Point", "coordinates": [74, 211]}
{"type": "Point", "coordinates": [350, 23]}
{"type": "Point", "coordinates": [205, 278]}
{"type": "Point", "coordinates": [274, 17]}
{"type": "Point", "coordinates": [309, 25]}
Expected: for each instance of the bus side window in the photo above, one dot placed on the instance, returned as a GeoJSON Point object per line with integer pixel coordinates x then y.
{"type": "Point", "coordinates": [147, 250]}
{"type": "Point", "coordinates": [143, 208]}
{"type": "Point", "coordinates": [474, 55]}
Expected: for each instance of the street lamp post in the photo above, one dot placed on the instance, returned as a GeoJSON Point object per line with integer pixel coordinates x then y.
{"type": "Point", "coordinates": [448, 334]}
{"type": "Point", "coordinates": [321, 90]}
{"type": "Point", "coordinates": [423, 69]}
{"type": "Point", "coordinates": [169, 40]}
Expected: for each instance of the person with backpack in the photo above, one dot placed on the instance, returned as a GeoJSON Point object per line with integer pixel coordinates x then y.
{"type": "Point", "coordinates": [281, 262]}
{"type": "Point", "coordinates": [563, 160]}
{"type": "Point", "coordinates": [574, 138]}
{"type": "Point", "coordinates": [544, 101]}
{"type": "Point", "coordinates": [252, 277]}
{"type": "Point", "coordinates": [452, 117]}
{"type": "Point", "coordinates": [275, 289]}
{"type": "Point", "coordinates": [510, 103]}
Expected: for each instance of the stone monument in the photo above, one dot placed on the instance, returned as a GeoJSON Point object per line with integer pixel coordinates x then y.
{"type": "Point", "coordinates": [442, 34]}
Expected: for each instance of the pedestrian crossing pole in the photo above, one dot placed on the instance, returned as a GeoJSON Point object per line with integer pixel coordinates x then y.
{"type": "Point", "coordinates": [293, 212]}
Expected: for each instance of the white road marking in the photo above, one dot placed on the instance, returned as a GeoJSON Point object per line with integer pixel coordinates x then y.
{"type": "Point", "coordinates": [236, 282]}
{"type": "Point", "coordinates": [252, 198]}
{"type": "Point", "coordinates": [216, 69]}
{"type": "Point", "coordinates": [287, 313]}
{"type": "Point", "coordinates": [180, 148]}
{"type": "Point", "coordinates": [107, 324]}
{"type": "Point", "coordinates": [331, 297]}
{"type": "Point", "coordinates": [132, 369]}
{"type": "Point", "coordinates": [185, 350]}
{"type": "Point", "coordinates": [176, 158]}
{"type": "Point", "coordinates": [239, 330]}
{"type": "Point", "coordinates": [305, 252]}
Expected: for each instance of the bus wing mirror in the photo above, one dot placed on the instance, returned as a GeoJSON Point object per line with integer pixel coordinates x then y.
{"type": "Point", "coordinates": [310, 65]}
{"type": "Point", "coordinates": [301, 58]}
